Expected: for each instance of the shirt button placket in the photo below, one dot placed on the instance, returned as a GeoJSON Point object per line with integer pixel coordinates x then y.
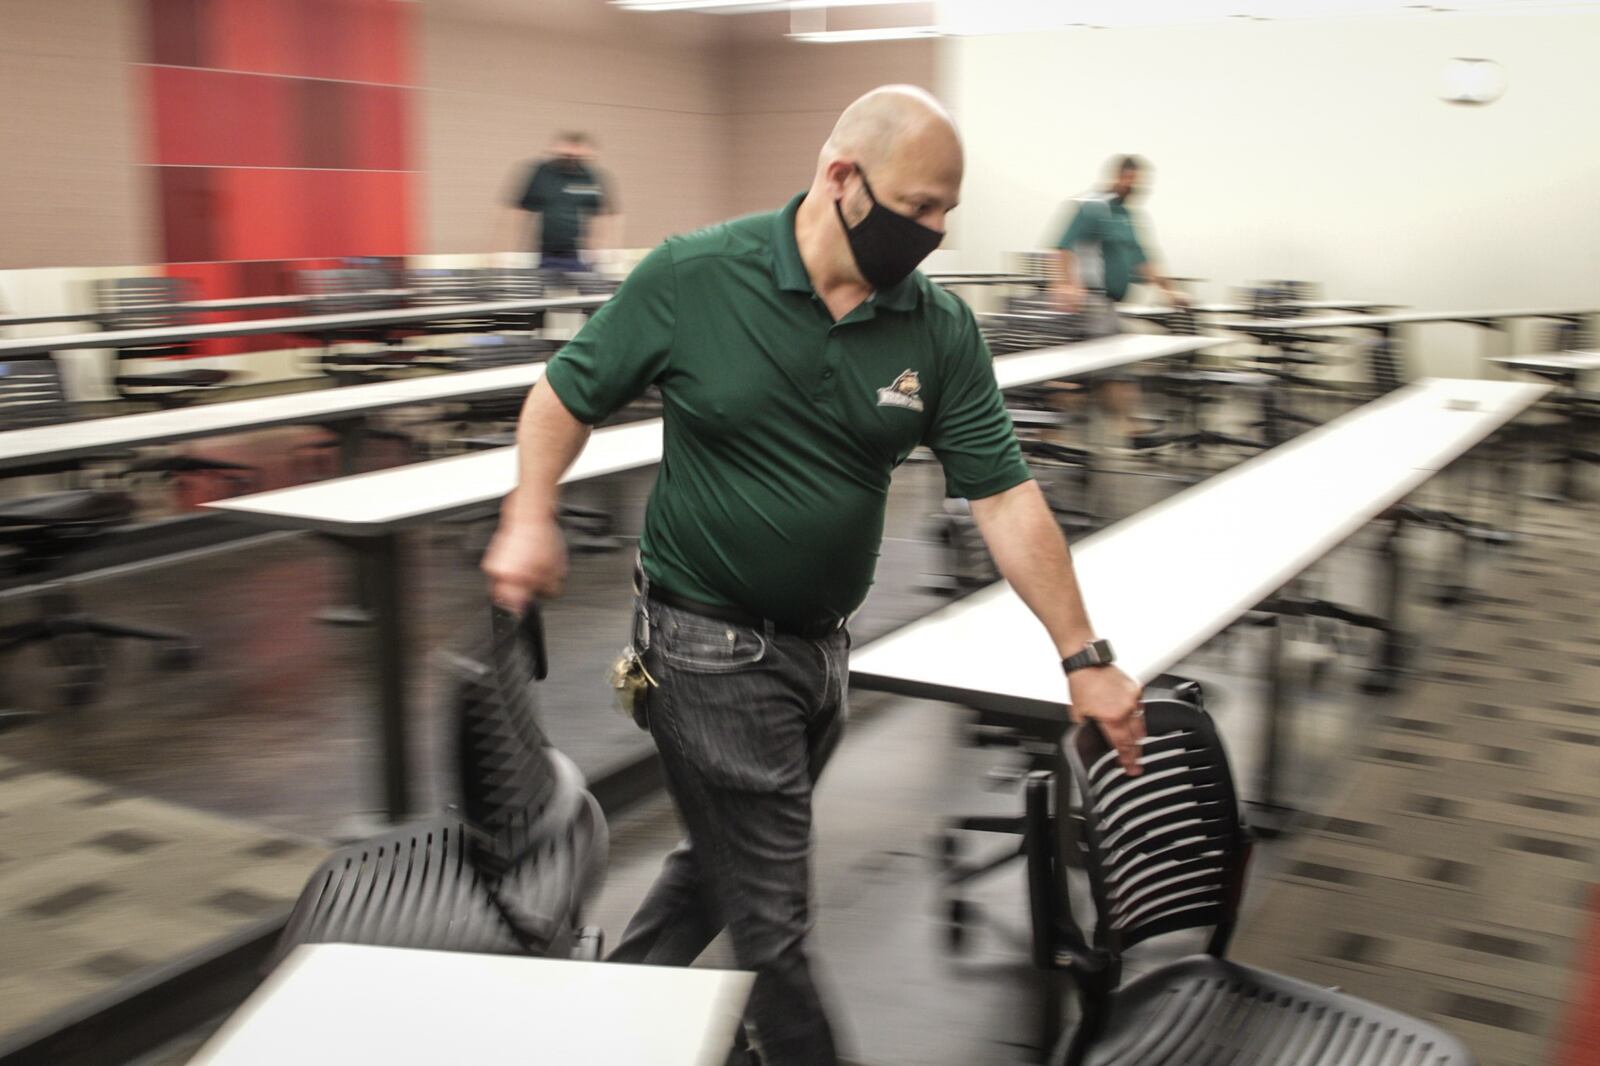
{"type": "Point", "coordinates": [825, 386]}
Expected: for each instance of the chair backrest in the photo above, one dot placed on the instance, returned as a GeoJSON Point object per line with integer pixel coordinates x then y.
{"type": "Point", "coordinates": [1165, 850]}
{"type": "Point", "coordinates": [31, 394]}
{"type": "Point", "coordinates": [1277, 299]}
{"type": "Point", "coordinates": [516, 283]}
{"type": "Point", "coordinates": [1384, 363]}
{"type": "Point", "coordinates": [142, 303]}
{"type": "Point", "coordinates": [439, 288]}
{"type": "Point", "coordinates": [342, 290]}
{"type": "Point", "coordinates": [1565, 335]}
{"type": "Point", "coordinates": [1182, 322]}
{"type": "Point", "coordinates": [1041, 265]}
{"type": "Point", "coordinates": [414, 887]}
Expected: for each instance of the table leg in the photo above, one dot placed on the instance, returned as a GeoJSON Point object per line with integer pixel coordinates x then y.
{"type": "Point", "coordinates": [1570, 439]}
{"type": "Point", "coordinates": [1460, 589]}
{"type": "Point", "coordinates": [1268, 817]}
{"type": "Point", "coordinates": [381, 562]}
{"type": "Point", "coordinates": [357, 608]}
{"type": "Point", "coordinates": [1385, 673]}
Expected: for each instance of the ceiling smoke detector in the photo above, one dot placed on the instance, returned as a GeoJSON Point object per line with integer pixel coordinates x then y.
{"type": "Point", "coordinates": [1473, 82]}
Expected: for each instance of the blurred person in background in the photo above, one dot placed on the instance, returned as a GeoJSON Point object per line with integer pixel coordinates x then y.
{"type": "Point", "coordinates": [1098, 256]}
{"type": "Point", "coordinates": [574, 204]}
{"type": "Point", "coordinates": [800, 359]}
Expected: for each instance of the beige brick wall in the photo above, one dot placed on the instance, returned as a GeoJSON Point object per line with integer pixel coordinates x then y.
{"type": "Point", "coordinates": [71, 193]}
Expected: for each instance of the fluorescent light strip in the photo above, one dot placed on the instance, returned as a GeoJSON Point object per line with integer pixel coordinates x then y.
{"type": "Point", "coordinates": [752, 6]}
{"type": "Point", "coordinates": [884, 33]}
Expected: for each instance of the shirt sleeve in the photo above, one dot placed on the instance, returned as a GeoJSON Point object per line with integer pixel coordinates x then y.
{"type": "Point", "coordinates": [970, 432]}
{"type": "Point", "coordinates": [1085, 226]}
{"type": "Point", "coordinates": [533, 196]}
{"type": "Point", "coordinates": [622, 350]}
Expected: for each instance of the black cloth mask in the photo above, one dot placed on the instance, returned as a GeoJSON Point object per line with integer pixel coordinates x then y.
{"type": "Point", "coordinates": [887, 245]}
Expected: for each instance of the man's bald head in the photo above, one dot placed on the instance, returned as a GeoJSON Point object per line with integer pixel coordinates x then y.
{"type": "Point", "coordinates": [888, 120]}
{"type": "Point", "coordinates": [901, 140]}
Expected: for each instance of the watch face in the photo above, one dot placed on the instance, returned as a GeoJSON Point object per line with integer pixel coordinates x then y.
{"type": "Point", "coordinates": [1101, 650]}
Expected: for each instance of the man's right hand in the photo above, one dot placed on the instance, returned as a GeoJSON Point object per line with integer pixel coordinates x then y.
{"type": "Point", "coordinates": [1067, 297]}
{"type": "Point", "coordinates": [526, 561]}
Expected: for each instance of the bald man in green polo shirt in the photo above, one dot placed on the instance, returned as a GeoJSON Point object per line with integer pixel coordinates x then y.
{"type": "Point", "coordinates": [800, 359]}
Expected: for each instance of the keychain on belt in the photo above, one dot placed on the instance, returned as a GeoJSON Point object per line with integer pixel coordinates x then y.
{"type": "Point", "coordinates": [629, 678]}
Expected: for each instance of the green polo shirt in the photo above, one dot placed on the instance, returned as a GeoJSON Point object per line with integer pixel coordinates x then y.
{"type": "Point", "coordinates": [566, 199]}
{"type": "Point", "coordinates": [782, 426]}
{"type": "Point", "coordinates": [1102, 235]}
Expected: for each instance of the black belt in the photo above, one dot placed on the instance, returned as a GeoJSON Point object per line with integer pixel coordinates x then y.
{"type": "Point", "coordinates": [808, 631]}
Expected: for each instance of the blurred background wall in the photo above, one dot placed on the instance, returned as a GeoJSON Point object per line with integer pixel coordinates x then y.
{"type": "Point", "coordinates": [73, 124]}
{"type": "Point", "coordinates": [1317, 150]}
{"type": "Point", "coordinates": [238, 136]}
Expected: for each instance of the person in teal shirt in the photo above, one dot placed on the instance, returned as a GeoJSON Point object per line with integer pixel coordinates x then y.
{"type": "Point", "coordinates": [1098, 256]}
{"type": "Point", "coordinates": [1100, 250]}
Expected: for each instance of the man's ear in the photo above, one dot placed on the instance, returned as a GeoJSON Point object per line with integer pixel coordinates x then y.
{"type": "Point", "coordinates": [838, 174]}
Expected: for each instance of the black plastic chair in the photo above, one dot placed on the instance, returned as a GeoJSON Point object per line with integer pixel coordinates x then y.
{"type": "Point", "coordinates": [1035, 741]}
{"type": "Point", "coordinates": [41, 535]}
{"type": "Point", "coordinates": [153, 303]}
{"type": "Point", "coordinates": [436, 287]}
{"type": "Point", "coordinates": [156, 303]}
{"type": "Point", "coordinates": [1164, 852]}
{"type": "Point", "coordinates": [352, 290]}
{"type": "Point", "coordinates": [518, 283]}
{"type": "Point", "coordinates": [509, 872]}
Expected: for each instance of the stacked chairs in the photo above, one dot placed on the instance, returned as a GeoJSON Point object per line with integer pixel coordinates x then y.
{"type": "Point", "coordinates": [157, 303]}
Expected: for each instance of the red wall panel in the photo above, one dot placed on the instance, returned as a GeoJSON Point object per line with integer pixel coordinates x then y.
{"type": "Point", "coordinates": [281, 137]}
{"type": "Point", "coordinates": [376, 121]}
{"type": "Point", "coordinates": [213, 118]}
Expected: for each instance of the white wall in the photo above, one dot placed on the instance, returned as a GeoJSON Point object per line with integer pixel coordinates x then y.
{"type": "Point", "coordinates": [1313, 150]}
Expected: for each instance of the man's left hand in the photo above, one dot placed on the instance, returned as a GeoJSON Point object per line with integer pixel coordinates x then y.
{"type": "Point", "coordinates": [1111, 698]}
{"type": "Point", "coordinates": [1179, 298]}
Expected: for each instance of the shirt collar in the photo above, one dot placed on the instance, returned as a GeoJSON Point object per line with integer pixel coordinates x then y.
{"type": "Point", "coordinates": [789, 270]}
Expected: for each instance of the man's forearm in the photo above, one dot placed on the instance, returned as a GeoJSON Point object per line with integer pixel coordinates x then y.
{"type": "Point", "coordinates": [1154, 276]}
{"type": "Point", "coordinates": [549, 439]}
{"type": "Point", "coordinates": [1067, 267]}
{"type": "Point", "coordinates": [1032, 555]}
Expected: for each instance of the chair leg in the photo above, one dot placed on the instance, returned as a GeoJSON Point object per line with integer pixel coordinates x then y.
{"type": "Point", "coordinates": [959, 873]}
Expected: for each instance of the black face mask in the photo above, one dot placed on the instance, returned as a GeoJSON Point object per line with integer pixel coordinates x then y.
{"type": "Point", "coordinates": [887, 245]}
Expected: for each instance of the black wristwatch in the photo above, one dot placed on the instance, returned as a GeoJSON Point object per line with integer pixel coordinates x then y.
{"type": "Point", "coordinates": [1094, 653]}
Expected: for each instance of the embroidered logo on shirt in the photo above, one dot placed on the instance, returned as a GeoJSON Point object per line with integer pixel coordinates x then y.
{"type": "Point", "coordinates": [905, 392]}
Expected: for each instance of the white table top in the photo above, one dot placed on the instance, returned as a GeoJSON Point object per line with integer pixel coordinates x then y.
{"type": "Point", "coordinates": [1163, 582]}
{"type": "Point", "coordinates": [1570, 362]}
{"type": "Point", "coordinates": [388, 500]}
{"type": "Point", "coordinates": [305, 325]}
{"type": "Point", "coordinates": [67, 440]}
{"type": "Point", "coordinates": [343, 1004]}
{"type": "Point", "coordinates": [1163, 310]}
{"type": "Point", "coordinates": [1280, 325]}
{"type": "Point", "coordinates": [381, 502]}
{"type": "Point", "coordinates": [983, 277]}
{"type": "Point", "coordinates": [1088, 357]}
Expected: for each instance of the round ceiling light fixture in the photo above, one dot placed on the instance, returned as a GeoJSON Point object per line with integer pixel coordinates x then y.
{"type": "Point", "coordinates": [1473, 82]}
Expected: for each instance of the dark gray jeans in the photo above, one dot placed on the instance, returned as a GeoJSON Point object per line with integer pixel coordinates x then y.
{"type": "Point", "coordinates": [745, 722]}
